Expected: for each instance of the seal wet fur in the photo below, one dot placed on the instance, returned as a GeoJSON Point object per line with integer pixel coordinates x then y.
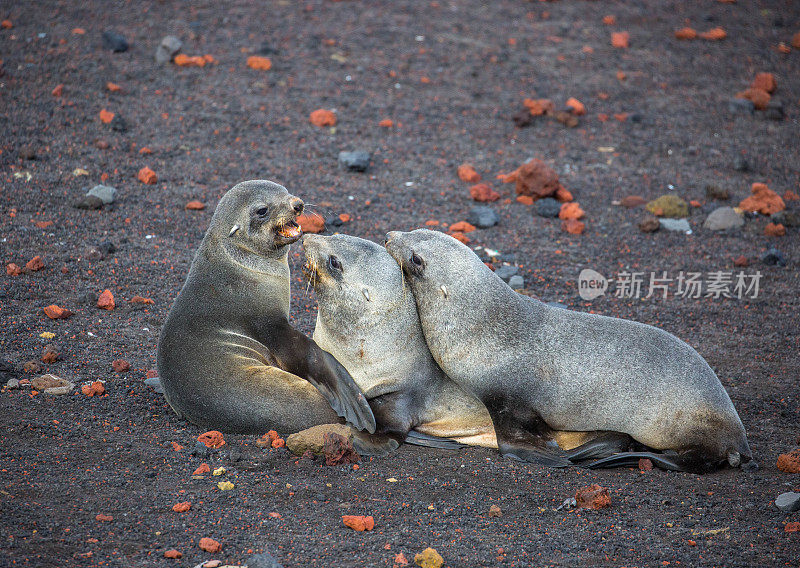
{"type": "Point", "coordinates": [368, 320]}
{"type": "Point", "coordinates": [227, 357]}
{"type": "Point", "coordinates": [539, 369]}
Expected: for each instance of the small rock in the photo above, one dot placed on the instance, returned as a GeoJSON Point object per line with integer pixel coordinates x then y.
{"type": "Point", "coordinates": [774, 110]}
{"type": "Point", "coordinates": [548, 207]}
{"type": "Point", "coordinates": [679, 225]}
{"type": "Point", "coordinates": [786, 218]}
{"type": "Point", "coordinates": [27, 152]}
{"type": "Point", "coordinates": [50, 354]}
{"type": "Point", "coordinates": [155, 384]}
{"type": "Point", "coordinates": [200, 450]}
{"type": "Point", "coordinates": [262, 560]}
{"type": "Point", "coordinates": [722, 219]}
{"type": "Point", "coordinates": [90, 202]}
{"type": "Point", "coordinates": [212, 439]}
{"type": "Point", "coordinates": [333, 221]}
{"type": "Point", "coordinates": [669, 205]}
{"type": "Point", "coordinates": [209, 545]}
{"type": "Point", "coordinates": [107, 247]}
{"type": "Point", "coordinates": [166, 50]}
{"type": "Point", "coordinates": [339, 450]}
{"type": "Point", "coordinates": [592, 497]}
{"type": "Point", "coordinates": [740, 164]}
{"type": "Point", "coordinates": [506, 271]}
{"type": "Point", "coordinates": [495, 511]}
{"type": "Point", "coordinates": [429, 558]}
{"type": "Point", "coordinates": [483, 193]}
{"type": "Point", "coordinates": [31, 367]}
{"type": "Point", "coordinates": [358, 523]}
{"type": "Point", "coordinates": [631, 201]}
{"type": "Point", "coordinates": [118, 124]}
{"type": "Point", "coordinates": [788, 502]}
{"type": "Point", "coordinates": [120, 365]}
{"type": "Point", "coordinates": [649, 225]}
{"type": "Point", "coordinates": [357, 161]}
{"type": "Point", "coordinates": [106, 193]}
{"type": "Point", "coordinates": [313, 439]}
{"type": "Point", "coordinates": [114, 41]}
{"type": "Point", "coordinates": [741, 106]}
{"type": "Point", "coordinates": [12, 384]}
{"type": "Point", "coordinates": [522, 118]}
{"type": "Point", "coordinates": [483, 217]}
{"type": "Point", "coordinates": [569, 503]}
{"type": "Point", "coordinates": [790, 463]}
{"type": "Point", "coordinates": [516, 282]}
{"type": "Point", "coordinates": [741, 261]}
{"type": "Point", "coordinates": [714, 191]}
{"type": "Point", "coordinates": [93, 389]}
{"type": "Point", "coordinates": [773, 230]}
{"type": "Point", "coordinates": [773, 257]}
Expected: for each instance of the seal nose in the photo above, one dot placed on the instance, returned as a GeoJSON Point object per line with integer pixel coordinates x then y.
{"type": "Point", "coordinates": [297, 205]}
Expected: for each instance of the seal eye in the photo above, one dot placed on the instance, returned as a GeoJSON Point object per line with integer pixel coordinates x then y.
{"type": "Point", "coordinates": [415, 259]}
{"type": "Point", "coordinates": [262, 212]}
{"type": "Point", "coordinates": [334, 263]}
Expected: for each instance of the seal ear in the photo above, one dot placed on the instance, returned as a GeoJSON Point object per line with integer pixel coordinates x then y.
{"type": "Point", "coordinates": [233, 230]}
{"type": "Point", "coordinates": [366, 293]}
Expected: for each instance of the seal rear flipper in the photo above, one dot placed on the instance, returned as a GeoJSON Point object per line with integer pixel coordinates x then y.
{"type": "Point", "coordinates": [603, 446]}
{"type": "Point", "coordinates": [420, 439]}
{"type": "Point", "coordinates": [301, 356]}
{"type": "Point", "coordinates": [378, 445]}
{"type": "Point", "coordinates": [694, 460]}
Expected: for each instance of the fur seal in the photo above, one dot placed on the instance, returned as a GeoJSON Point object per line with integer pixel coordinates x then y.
{"type": "Point", "coordinates": [227, 357]}
{"type": "Point", "coordinates": [539, 369]}
{"type": "Point", "coordinates": [368, 320]}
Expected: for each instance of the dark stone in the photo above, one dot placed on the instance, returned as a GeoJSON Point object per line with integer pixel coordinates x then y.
{"type": "Point", "coordinates": [483, 217]}
{"type": "Point", "coordinates": [636, 117]}
{"type": "Point", "coordinates": [649, 225]}
{"type": "Point", "coordinates": [522, 118]}
{"type": "Point", "coordinates": [773, 257]}
{"type": "Point", "coordinates": [774, 110]}
{"type": "Point", "coordinates": [786, 218]}
{"type": "Point", "coordinates": [333, 221]}
{"type": "Point", "coordinates": [200, 450]}
{"type": "Point", "coordinates": [506, 271]}
{"type": "Point", "coordinates": [27, 152]}
{"type": "Point", "coordinates": [263, 560]}
{"type": "Point", "coordinates": [547, 207]}
{"type": "Point", "coordinates": [7, 371]}
{"type": "Point", "coordinates": [107, 247]}
{"type": "Point", "coordinates": [741, 106]}
{"type": "Point", "coordinates": [89, 202]}
{"type": "Point", "coordinates": [716, 192]}
{"type": "Point", "coordinates": [740, 164]}
{"type": "Point", "coordinates": [357, 161]}
{"type": "Point", "coordinates": [267, 49]}
{"type": "Point", "coordinates": [118, 124]}
{"type": "Point", "coordinates": [114, 41]}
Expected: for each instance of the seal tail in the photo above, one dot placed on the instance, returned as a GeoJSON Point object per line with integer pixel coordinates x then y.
{"type": "Point", "coordinates": [420, 439]}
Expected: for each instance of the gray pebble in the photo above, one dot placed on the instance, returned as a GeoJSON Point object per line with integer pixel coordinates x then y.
{"type": "Point", "coordinates": [548, 207]}
{"type": "Point", "coordinates": [114, 41]}
{"type": "Point", "coordinates": [741, 106]}
{"type": "Point", "coordinates": [357, 161]}
{"type": "Point", "coordinates": [679, 225]}
{"type": "Point", "coordinates": [505, 272]}
{"type": "Point", "coordinates": [788, 502]}
{"type": "Point", "coordinates": [12, 384]}
{"type": "Point", "coordinates": [89, 202]}
{"type": "Point", "coordinates": [155, 383]}
{"type": "Point", "coordinates": [62, 390]}
{"type": "Point", "coordinates": [483, 217]}
{"type": "Point", "coordinates": [774, 110]}
{"type": "Point", "coordinates": [167, 49]}
{"type": "Point", "coordinates": [263, 560]}
{"type": "Point", "coordinates": [516, 282]}
{"type": "Point", "coordinates": [773, 257]}
{"type": "Point", "coordinates": [106, 193]}
{"type": "Point", "coordinates": [722, 219]}
{"type": "Point", "coordinates": [200, 450]}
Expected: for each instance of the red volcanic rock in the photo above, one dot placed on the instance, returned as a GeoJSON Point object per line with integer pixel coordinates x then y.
{"type": "Point", "coordinates": [592, 497]}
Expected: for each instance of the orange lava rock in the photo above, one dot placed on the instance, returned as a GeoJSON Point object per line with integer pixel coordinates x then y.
{"type": "Point", "coordinates": [212, 439]}
{"type": "Point", "coordinates": [576, 107]}
{"type": "Point", "coordinates": [50, 355]}
{"type": "Point", "coordinates": [759, 97]}
{"type": "Point", "coordinates": [774, 230]}
{"type": "Point", "coordinates": [468, 174]}
{"type": "Point", "coordinates": [573, 226]}
{"type": "Point", "coordinates": [790, 463]}
{"type": "Point", "coordinates": [58, 90]}
{"type": "Point", "coordinates": [195, 205]}
{"type": "Point", "coordinates": [525, 199]}
{"type": "Point", "coordinates": [462, 227]}
{"type": "Point", "coordinates": [182, 507]}
{"type": "Point", "coordinates": [790, 195]}
{"type": "Point", "coordinates": [144, 150]}
{"type": "Point", "coordinates": [609, 20]}
{"type": "Point", "coordinates": [141, 300]}
{"type": "Point", "coordinates": [695, 203]}
{"type": "Point", "coordinates": [259, 62]}
{"type": "Point", "coordinates": [621, 116]}
{"type": "Point", "coordinates": [762, 200]}
{"type": "Point", "coordinates": [56, 312]}
{"type": "Point", "coordinates": [714, 34]}
{"type": "Point", "coordinates": [106, 300]}
{"type": "Point", "coordinates": [571, 211]}
{"type": "Point", "coordinates": [484, 193]}
{"type": "Point", "coordinates": [172, 554]}
{"type": "Point", "coordinates": [209, 545]}
{"type": "Point", "coordinates": [539, 107]}
{"type": "Point", "coordinates": [765, 82]}
{"type": "Point", "coordinates": [400, 560]}
{"type": "Point", "coordinates": [344, 217]}
{"type": "Point", "coordinates": [121, 365]}
{"type": "Point", "coordinates": [621, 75]}
{"type": "Point", "coordinates": [691, 542]}
{"type": "Point", "coordinates": [741, 261]}
{"type": "Point", "coordinates": [796, 40]}
{"type": "Point", "coordinates": [592, 497]}
{"type": "Point", "coordinates": [94, 389]}
{"type": "Point", "coordinates": [358, 523]}
{"type": "Point", "coordinates": [104, 518]}
{"type": "Point", "coordinates": [183, 60]}
{"type": "Point", "coordinates": [43, 224]}
{"type": "Point", "coordinates": [147, 176]}
{"type": "Point", "coordinates": [279, 443]}
{"type": "Point", "coordinates": [338, 450]}
{"type": "Point", "coordinates": [311, 223]}
{"type": "Point", "coordinates": [386, 123]}
{"type": "Point", "coordinates": [459, 237]}
{"type": "Point", "coordinates": [620, 39]}
{"type": "Point", "coordinates": [6, 24]}
{"type": "Point", "coordinates": [322, 117]}
{"type": "Point", "coordinates": [535, 178]}
{"type": "Point", "coordinates": [78, 31]}
{"type": "Point", "coordinates": [563, 195]}
{"type": "Point", "coordinates": [35, 264]}
{"type": "Point", "coordinates": [630, 201]}
{"type": "Point", "coordinates": [685, 33]}
{"type": "Point", "coordinates": [203, 469]}
{"type": "Point", "coordinates": [106, 116]}
{"type": "Point", "coordinates": [13, 270]}
{"type": "Point", "coordinates": [208, 58]}
{"type": "Point", "coordinates": [176, 447]}
{"type": "Point", "coordinates": [792, 527]}
{"type": "Point", "coordinates": [645, 464]}
{"type": "Point", "coordinates": [113, 87]}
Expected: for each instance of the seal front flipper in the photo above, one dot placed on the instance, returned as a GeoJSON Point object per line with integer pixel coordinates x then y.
{"type": "Point", "coordinates": [378, 445]}
{"type": "Point", "coordinates": [301, 356]}
{"type": "Point", "coordinates": [420, 439]}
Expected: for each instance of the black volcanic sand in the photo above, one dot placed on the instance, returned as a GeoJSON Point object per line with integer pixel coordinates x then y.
{"type": "Point", "coordinates": [450, 75]}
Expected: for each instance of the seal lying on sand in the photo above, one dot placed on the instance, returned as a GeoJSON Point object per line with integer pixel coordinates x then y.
{"type": "Point", "coordinates": [227, 357]}
{"type": "Point", "coordinates": [368, 320]}
{"type": "Point", "coordinates": [539, 369]}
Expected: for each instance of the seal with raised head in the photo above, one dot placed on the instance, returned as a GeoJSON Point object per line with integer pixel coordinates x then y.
{"type": "Point", "coordinates": [368, 320]}
{"type": "Point", "coordinates": [227, 357]}
{"type": "Point", "coordinates": [539, 369]}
